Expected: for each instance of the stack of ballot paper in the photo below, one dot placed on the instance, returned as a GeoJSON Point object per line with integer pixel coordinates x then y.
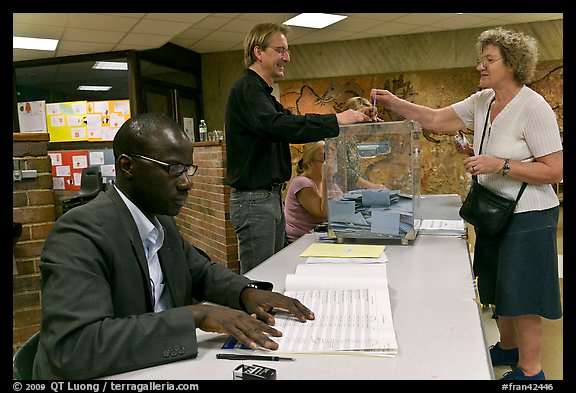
{"type": "Point", "coordinates": [442, 227]}
{"type": "Point", "coordinates": [344, 253]}
{"type": "Point", "coordinates": [352, 311]}
{"type": "Point", "coordinates": [373, 212]}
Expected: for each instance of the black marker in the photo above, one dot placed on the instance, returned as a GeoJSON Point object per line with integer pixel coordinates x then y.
{"type": "Point", "coordinates": [231, 356]}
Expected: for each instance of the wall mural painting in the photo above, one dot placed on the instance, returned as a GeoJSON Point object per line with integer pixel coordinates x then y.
{"type": "Point", "coordinates": [441, 168]}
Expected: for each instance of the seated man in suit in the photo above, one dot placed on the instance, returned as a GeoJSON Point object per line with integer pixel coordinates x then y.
{"type": "Point", "coordinates": [121, 287]}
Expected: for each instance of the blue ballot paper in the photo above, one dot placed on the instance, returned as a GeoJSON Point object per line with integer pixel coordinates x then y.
{"type": "Point", "coordinates": [379, 198]}
{"type": "Point", "coordinates": [342, 211]}
{"type": "Point", "coordinates": [385, 222]}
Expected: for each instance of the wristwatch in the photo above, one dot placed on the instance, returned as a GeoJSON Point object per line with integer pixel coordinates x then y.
{"type": "Point", "coordinates": [506, 167]}
{"type": "Point", "coordinates": [251, 285]}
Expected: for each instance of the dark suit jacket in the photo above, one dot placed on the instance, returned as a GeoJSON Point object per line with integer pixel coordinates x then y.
{"type": "Point", "coordinates": [97, 315]}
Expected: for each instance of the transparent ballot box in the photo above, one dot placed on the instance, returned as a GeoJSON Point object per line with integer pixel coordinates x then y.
{"type": "Point", "coordinates": [372, 175]}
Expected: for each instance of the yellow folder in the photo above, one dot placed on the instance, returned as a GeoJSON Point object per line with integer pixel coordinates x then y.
{"type": "Point", "coordinates": [328, 250]}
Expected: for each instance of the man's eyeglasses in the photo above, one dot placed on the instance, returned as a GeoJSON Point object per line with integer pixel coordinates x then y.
{"type": "Point", "coordinates": [173, 169]}
{"type": "Point", "coordinates": [281, 51]}
{"type": "Point", "coordinates": [486, 61]}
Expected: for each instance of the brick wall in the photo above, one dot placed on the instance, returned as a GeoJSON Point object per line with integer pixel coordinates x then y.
{"type": "Point", "coordinates": [33, 207]}
{"type": "Point", "coordinates": [205, 220]}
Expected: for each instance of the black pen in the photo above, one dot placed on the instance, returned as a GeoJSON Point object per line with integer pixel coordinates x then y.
{"type": "Point", "coordinates": [232, 356]}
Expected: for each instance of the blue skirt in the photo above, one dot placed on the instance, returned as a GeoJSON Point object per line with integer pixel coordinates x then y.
{"type": "Point", "coordinates": [517, 270]}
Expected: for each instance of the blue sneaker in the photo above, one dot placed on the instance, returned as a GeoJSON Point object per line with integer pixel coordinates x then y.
{"type": "Point", "coordinates": [503, 357]}
{"type": "Point", "coordinates": [518, 375]}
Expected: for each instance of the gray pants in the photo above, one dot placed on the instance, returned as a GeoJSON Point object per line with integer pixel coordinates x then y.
{"type": "Point", "coordinates": [258, 218]}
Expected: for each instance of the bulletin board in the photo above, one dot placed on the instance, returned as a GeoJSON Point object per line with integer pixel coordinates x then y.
{"type": "Point", "coordinates": [66, 121]}
{"type": "Point", "coordinates": [104, 118]}
{"type": "Point", "coordinates": [86, 120]}
{"type": "Point", "coordinates": [67, 167]}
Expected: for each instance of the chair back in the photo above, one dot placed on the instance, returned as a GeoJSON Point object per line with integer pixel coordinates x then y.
{"type": "Point", "coordinates": [23, 360]}
{"type": "Point", "coordinates": [90, 182]}
{"type": "Point", "coordinates": [90, 185]}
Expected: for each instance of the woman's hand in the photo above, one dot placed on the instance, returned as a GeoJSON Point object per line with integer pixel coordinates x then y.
{"type": "Point", "coordinates": [466, 150]}
{"type": "Point", "coordinates": [478, 165]}
{"type": "Point", "coordinates": [383, 97]}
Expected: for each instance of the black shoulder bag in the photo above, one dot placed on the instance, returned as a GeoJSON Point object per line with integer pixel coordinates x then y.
{"type": "Point", "coordinates": [485, 210]}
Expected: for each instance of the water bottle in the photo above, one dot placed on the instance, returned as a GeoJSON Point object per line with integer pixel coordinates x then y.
{"type": "Point", "coordinates": [203, 130]}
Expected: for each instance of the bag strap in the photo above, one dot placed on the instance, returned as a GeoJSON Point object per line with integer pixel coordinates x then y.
{"type": "Point", "coordinates": [475, 177]}
{"type": "Point", "coordinates": [485, 124]}
{"type": "Point", "coordinates": [521, 191]}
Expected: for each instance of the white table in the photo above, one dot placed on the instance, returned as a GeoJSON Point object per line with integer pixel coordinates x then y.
{"type": "Point", "coordinates": [436, 318]}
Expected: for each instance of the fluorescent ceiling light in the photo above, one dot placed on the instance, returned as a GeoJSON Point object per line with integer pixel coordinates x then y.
{"type": "Point", "coordinates": [34, 43]}
{"type": "Point", "coordinates": [94, 88]}
{"type": "Point", "coordinates": [110, 65]}
{"type": "Point", "coordinates": [314, 20]}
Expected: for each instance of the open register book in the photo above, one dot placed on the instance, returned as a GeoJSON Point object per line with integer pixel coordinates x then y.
{"type": "Point", "coordinates": [352, 308]}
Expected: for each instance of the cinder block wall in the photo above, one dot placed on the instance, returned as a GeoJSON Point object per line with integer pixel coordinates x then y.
{"type": "Point", "coordinates": [205, 220]}
{"type": "Point", "coordinates": [33, 207]}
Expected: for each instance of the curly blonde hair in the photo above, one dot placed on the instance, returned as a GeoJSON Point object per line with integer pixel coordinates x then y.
{"type": "Point", "coordinates": [519, 51]}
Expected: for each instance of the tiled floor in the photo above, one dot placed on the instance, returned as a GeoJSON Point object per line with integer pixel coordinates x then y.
{"type": "Point", "coordinates": [552, 346]}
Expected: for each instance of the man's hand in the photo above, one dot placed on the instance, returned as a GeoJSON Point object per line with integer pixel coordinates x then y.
{"type": "Point", "coordinates": [247, 329]}
{"type": "Point", "coordinates": [258, 302]}
{"type": "Point", "coordinates": [350, 116]}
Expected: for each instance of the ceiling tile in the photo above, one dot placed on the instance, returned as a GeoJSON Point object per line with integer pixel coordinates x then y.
{"type": "Point", "coordinates": [424, 19]}
{"type": "Point", "coordinates": [87, 35]}
{"type": "Point", "coordinates": [223, 36]}
{"type": "Point", "coordinates": [126, 14]}
{"type": "Point", "coordinates": [149, 40]}
{"type": "Point", "coordinates": [194, 34]}
{"type": "Point", "coordinates": [240, 26]}
{"type": "Point", "coordinates": [320, 36]}
{"type": "Point", "coordinates": [47, 19]}
{"type": "Point", "coordinates": [37, 31]}
{"type": "Point", "coordinates": [391, 28]}
{"type": "Point", "coordinates": [211, 46]}
{"type": "Point", "coordinates": [211, 22]}
{"type": "Point", "coordinates": [355, 24]}
{"type": "Point", "coordinates": [463, 22]}
{"type": "Point", "coordinates": [101, 22]}
{"type": "Point", "coordinates": [160, 27]}
{"type": "Point", "coordinates": [524, 17]}
{"type": "Point", "coordinates": [265, 17]}
{"type": "Point", "coordinates": [185, 17]}
{"type": "Point", "coordinates": [85, 47]}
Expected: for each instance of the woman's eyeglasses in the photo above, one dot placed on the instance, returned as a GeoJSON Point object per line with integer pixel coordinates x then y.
{"type": "Point", "coordinates": [486, 61]}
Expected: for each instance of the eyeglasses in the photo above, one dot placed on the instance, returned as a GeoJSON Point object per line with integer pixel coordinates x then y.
{"type": "Point", "coordinates": [173, 169]}
{"type": "Point", "coordinates": [281, 51]}
{"type": "Point", "coordinates": [486, 61]}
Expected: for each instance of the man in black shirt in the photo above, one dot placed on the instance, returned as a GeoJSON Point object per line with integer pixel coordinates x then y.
{"type": "Point", "coordinates": [259, 131]}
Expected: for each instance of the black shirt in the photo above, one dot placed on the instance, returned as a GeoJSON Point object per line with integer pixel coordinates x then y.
{"type": "Point", "coordinates": [259, 131]}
